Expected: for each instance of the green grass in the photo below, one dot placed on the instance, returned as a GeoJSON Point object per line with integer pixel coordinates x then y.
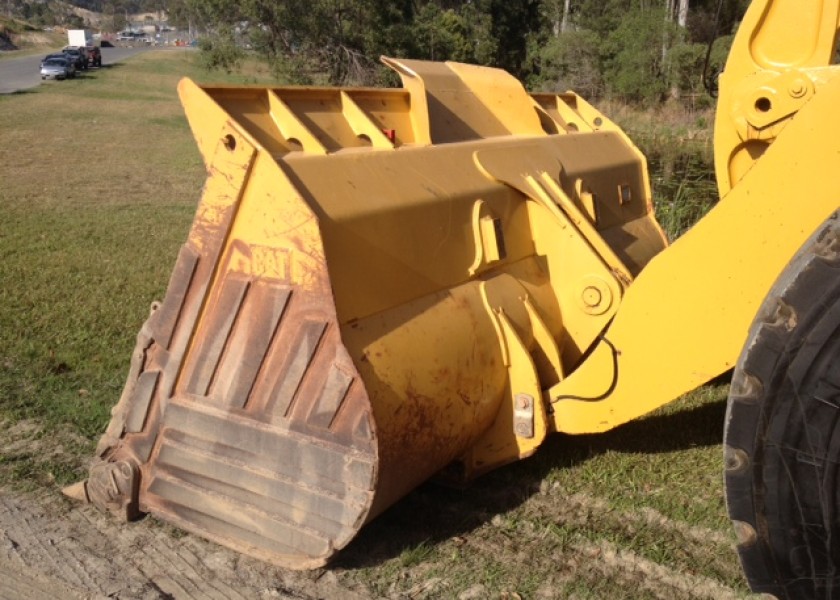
{"type": "Point", "coordinates": [678, 146]}
{"type": "Point", "coordinates": [650, 491]}
{"type": "Point", "coordinates": [100, 178]}
{"type": "Point", "coordinates": [100, 181]}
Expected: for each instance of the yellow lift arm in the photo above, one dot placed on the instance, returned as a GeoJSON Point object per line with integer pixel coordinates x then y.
{"type": "Point", "coordinates": [686, 317]}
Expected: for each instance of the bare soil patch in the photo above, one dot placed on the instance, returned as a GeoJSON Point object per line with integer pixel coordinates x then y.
{"type": "Point", "coordinates": [51, 548]}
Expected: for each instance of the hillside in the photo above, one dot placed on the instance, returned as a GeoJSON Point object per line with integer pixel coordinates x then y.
{"type": "Point", "coordinates": [16, 34]}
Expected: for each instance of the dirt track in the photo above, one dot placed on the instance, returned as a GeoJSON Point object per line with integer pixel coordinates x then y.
{"type": "Point", "coordinates": [51, 549]}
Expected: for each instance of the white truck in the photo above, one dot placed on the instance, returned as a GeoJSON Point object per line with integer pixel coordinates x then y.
{"type": "Point", "coordinates": [79, 37]}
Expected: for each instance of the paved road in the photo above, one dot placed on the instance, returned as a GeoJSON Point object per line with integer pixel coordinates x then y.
{"type": "Point", "coordinates": [22, 73]}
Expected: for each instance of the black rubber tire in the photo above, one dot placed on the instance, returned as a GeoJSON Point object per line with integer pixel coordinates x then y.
{"type": "Point", "coordinates": [782, 431]}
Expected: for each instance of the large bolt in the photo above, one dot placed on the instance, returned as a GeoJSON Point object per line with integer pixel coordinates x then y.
{"type": "Point", "coordinates": [594, 296]}
{"type": "Point", "coordinates": [591, 296]}
{"type": "Point", "coordinates": [522, 430]}
{"type": "Point", "coordinates": [798, 88]}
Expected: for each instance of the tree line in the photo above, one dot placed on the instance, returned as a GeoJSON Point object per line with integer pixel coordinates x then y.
{"type": "Point", "coordinates": [640, 51]}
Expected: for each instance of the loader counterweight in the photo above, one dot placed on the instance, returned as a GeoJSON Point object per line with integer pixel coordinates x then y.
{"type": "Point", "coordinates": [377, 288]}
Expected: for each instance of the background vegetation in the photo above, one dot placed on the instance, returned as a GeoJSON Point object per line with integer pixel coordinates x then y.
{"type": "Point", "coordinates": [640, 51]}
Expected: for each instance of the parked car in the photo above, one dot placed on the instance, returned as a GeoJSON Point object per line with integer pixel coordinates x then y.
{"type": "Point", "coordinates": [78, 54]}
{"type": "Point", "coordinates": [54, 55]}
{"type": "Point", "coordinates": [57, 68]}
{"type": "Point", "coordinates": [94, 56]}
{"type": "Point", "coordinates": [70, 61]}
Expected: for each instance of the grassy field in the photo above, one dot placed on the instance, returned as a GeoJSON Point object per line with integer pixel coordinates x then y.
{"type": "Point", "coordinates": [100, 178]}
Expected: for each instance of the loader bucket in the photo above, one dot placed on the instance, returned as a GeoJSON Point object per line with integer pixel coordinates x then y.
{"type": "Point", "coordinates": [377, 288]}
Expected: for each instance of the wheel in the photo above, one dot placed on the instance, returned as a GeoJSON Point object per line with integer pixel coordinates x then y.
{"type": "Point", "coordinates": [782, 433]}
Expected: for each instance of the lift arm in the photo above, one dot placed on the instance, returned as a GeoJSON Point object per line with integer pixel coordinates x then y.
{"type": "Point", "coordinates": [685, 318]}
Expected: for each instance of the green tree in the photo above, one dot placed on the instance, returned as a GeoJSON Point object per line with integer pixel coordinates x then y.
{"type": "Point", "coordinates": [220, 51]}
{"type": "Point", "coordinates": [638, 50]}
{"type": "Point", "coordinates": [570, 60]}
{"type": "Point", "coordinates": [463, 35]}
{"type": "Point", "coordinates": [513, 25]}
{"type": "Point", "coordinates": [633, 59]}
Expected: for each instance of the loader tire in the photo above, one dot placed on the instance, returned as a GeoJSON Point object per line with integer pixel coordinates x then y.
{"type": "Point", "coordinates": [782, 431]}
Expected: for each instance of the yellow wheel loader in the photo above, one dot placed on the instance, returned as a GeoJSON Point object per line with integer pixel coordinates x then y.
{"type": "Point", "coordinates": [385, 285]}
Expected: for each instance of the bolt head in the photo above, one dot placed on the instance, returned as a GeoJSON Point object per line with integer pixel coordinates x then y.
{"type": "Point", "coordinates": [591, 296]}
{"type": "Point", "coordinates": [798, 89]}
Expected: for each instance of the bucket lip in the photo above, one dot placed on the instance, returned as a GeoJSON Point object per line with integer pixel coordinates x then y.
{"type": "Point", "coordinates": [140, 491]}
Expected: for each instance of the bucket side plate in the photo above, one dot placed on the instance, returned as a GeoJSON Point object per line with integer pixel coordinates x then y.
{"type": "Point", "coordinates": [243, 418]}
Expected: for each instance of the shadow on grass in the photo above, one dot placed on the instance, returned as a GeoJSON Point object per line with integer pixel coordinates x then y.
{"type": "Point", "coordinates": [91, 72]}
{"type": "Point", "coordinates": [87, 74]}
{"type": "Point", "coordinates": [433, 513]}
{"type": "Point", "coordinates": [106, 66]}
